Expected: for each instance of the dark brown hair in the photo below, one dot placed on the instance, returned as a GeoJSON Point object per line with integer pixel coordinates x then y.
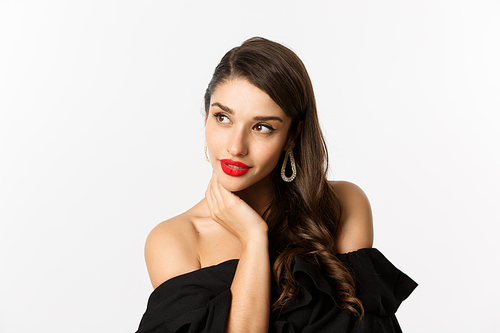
{"type": "Point", "coordinates": [304, 215]}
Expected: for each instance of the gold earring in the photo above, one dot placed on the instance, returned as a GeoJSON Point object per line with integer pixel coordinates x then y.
{"type": "Point", "coordinates": [289, 154]}
{"type": "Point", "coordinates": [206, 152]}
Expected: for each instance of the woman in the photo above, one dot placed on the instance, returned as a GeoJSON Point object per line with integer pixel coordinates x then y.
{"type": "Point", "coordinates": [273, 246]}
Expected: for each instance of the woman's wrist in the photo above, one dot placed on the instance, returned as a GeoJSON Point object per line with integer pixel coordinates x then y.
{"type": "Point", "coordinates": [257, 238]}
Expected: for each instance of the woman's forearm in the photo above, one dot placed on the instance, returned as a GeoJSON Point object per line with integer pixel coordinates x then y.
{"type": "Point", "coordinates": [250, 290]}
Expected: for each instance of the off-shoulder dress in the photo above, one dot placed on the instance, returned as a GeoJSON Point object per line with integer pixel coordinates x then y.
{"type": "Point", "coordinates": [199, 301]}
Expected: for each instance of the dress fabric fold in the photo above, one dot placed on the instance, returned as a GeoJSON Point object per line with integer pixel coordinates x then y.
{"type": "Point", "coordinates": [199, 301]}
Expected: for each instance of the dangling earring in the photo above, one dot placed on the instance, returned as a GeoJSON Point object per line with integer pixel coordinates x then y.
{"type": "Point", "coordinates": [205, 148]}
{"type": "Point", "coordinates": [289, 153]}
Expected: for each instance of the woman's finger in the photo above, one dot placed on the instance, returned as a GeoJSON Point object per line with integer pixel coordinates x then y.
{"type": "Point", "coordinates": [225, 195]}
{"type": "Point", "coordinates": [216, 190]}
{"type": "Point", "coordinates": [211, 202]}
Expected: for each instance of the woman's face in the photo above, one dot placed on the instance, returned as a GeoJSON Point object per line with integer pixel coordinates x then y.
{"type": "Point", "coordinates": [246, 132]}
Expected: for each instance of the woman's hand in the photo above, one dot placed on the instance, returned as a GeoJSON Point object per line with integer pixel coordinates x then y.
{"type": "Point", "coordinates": [250, 289]}
{"type": "Point", "coordinates": [233, 213]}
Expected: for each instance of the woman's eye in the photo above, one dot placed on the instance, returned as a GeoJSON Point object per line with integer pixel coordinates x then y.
{"type": "Point", "coordinates": [221, 118]}
{"type": "Point", "coordinates": [263, 128]}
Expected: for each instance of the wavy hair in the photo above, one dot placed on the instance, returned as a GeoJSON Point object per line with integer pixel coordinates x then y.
{"type": "Point", "coordinates": [304, 215]}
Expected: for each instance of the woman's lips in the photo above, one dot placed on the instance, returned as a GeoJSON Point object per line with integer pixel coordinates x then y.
{"type": "Point", "coordinates": [234, 168]}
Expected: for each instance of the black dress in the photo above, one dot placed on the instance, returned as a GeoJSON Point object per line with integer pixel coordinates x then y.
{"type": "Point", "coordinates": [199, 301]}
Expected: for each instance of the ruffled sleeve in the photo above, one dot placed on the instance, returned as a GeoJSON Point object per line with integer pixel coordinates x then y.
{"type": "Point", "coordinates": [380, 286]}
{"type": "Point", "coordinates": [194, 302]}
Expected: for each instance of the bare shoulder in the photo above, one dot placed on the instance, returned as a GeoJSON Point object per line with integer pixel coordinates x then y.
{"type": "Point", "coordinates": [356, 227]}
{"type": "Point", "coordinates": [171, 249]}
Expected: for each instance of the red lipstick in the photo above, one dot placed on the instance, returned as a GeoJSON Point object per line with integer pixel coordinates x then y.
{"type": "Point", "coordinates": [234, 168]}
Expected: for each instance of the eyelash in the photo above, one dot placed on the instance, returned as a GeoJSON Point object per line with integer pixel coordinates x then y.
{"type": "Point", "coordinates": [266, 126]}
{"type": "Point", "coordinates": [218, 115]}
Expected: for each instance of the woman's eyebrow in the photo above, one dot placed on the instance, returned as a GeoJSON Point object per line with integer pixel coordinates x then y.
{"type": "Point", "coordinates": [262, 118]}
{"type": "Point", "coordinates": [223, 107]}
{"type": "Point", "coordinates": [259, 118]}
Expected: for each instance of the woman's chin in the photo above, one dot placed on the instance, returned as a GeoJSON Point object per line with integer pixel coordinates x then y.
{"type": "Point", "coordinates": [233, 186]}
{"type": "Point", "coordinates": [238, 184]}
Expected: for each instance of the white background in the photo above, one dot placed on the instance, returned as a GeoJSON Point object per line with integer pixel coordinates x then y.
{"type": "Point", "coordinates": [101, 138]}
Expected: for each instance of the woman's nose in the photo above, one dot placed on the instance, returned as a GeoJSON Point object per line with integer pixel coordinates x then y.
{"type": "Point", "coordinates": [237, 143]}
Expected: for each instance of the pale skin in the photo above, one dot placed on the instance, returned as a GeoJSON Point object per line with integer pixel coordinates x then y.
{"type": "Point", "coordinates": [243, 124]}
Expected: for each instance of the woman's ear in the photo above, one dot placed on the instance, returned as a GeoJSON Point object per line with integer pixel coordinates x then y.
{"type": "Point", "coordinates": [293, 139]}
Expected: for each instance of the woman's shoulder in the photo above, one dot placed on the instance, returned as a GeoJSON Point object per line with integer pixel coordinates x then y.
{"type": "Point", "coordinates": [171, 247]}
{"type": "Point", "coordinates": [356, 226]}
{"type": "Point", "coordinates": [345, 188]}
